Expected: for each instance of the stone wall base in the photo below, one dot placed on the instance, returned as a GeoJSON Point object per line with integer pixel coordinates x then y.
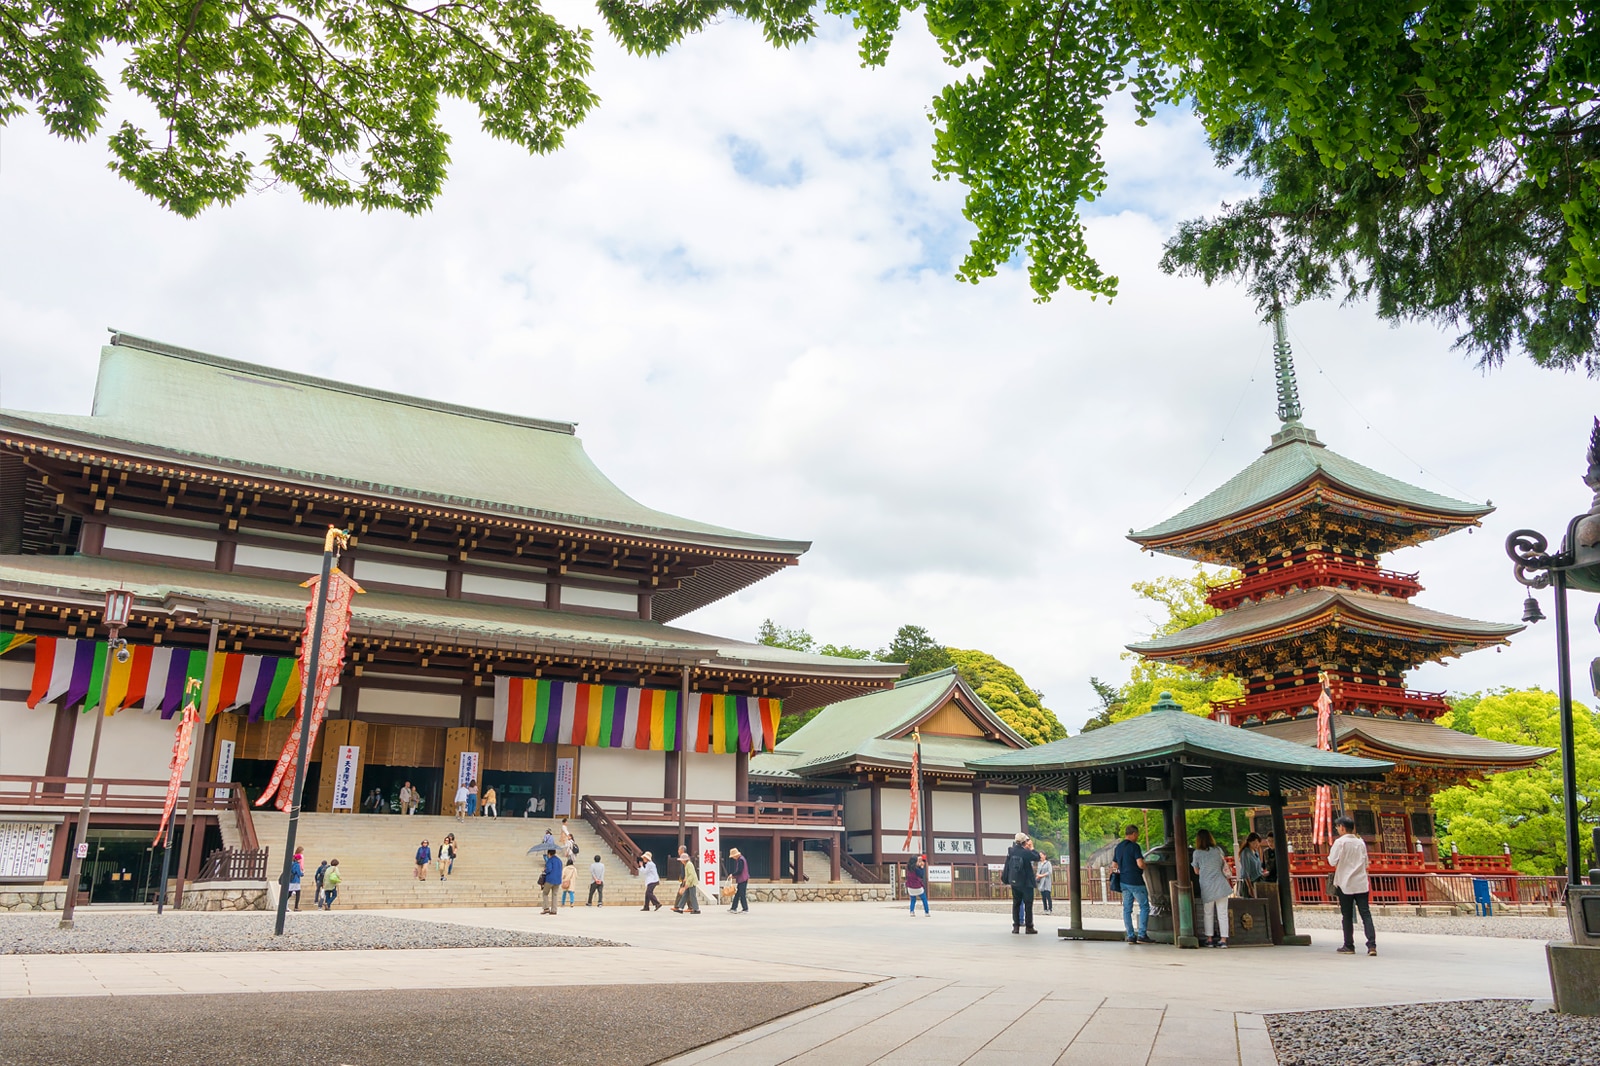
{"type": "Point", "coordinates": [32, 897]}
{"type": "Point", "coordinates": [224, 896]}
{"type": "Point", "coordinates": [826, 893]}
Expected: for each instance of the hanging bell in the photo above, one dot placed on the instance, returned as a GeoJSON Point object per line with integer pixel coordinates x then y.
{"type": "Point", "coordinates": [1530, 610]}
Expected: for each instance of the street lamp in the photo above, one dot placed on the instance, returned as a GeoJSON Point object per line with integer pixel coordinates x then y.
{"type": "Point", "coordinates": [1576, 565]}
{"type": "Point", "coordinates": [118, 611]}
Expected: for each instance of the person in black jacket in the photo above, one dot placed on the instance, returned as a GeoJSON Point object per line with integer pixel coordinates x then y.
{"type": "Point", "coordinates": [1019, 874]}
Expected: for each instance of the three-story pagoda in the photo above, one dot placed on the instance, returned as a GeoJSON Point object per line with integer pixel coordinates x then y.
{"type": "Point", "coordinates": [1307, 529]}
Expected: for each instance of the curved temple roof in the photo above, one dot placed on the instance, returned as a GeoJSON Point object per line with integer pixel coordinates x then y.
{"type": "Point", "coordinates": [1309, 609]}
{"type": "Point", "coordinates": [1403, 739]}
{"type": "Point", "coordinates": [155, 399]}
{"type": "Point", "coordinates": [1296, 460]}
{"type": "Point", "coordinates": [1162, 738]}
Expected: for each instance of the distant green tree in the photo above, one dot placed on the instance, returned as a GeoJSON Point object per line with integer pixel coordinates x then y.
{"type": "Point", "coordinates": [915, 647]}
{"type": "Point", "coordinates": [844, 651]}
{"type": "Point", "coordinates": [1110, 699]}
{"type": "Point", "coordinates": [775, 636]}
{"type": "Point", "coordinates": [1522, 808]}
{"type": "Point", "coordinates": [1183, 604]}
{"type": "Point", "coordinates": [1019, 705]}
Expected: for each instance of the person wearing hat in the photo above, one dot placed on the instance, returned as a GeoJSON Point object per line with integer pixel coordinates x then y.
{"type": "Point", "coordinates": [741, 877]}
{"type": "Point", "coordinates": [917, 884]}
{"type": "Point", "coordinates": [688, 885]}
{"type": "Point", "coordinates": [647, 867]}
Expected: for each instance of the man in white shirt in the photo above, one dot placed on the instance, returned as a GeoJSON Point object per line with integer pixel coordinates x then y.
{"type": "Point", "coordinates": [461, 802]}
{"type": "Point", "coordinates": [1348, 857]}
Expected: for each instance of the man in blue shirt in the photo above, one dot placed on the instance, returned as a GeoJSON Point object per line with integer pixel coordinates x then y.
{"type": "Point", "coordinates": [1127, 862]}
{"type": "Point", "coordinates": [550, 883]}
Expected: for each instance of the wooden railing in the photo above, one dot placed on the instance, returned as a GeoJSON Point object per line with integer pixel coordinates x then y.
{"type": "Point", "coordinates": [865, 874]}
{"type": "Point", "coordinates": [1346, 696]}
{"type": "Point", "coordinates": [247, 826]}
{"type": "Point", "coordinates": [1312, 570]}
{"type": "Point", "coordinates": [1435, 888]}
{"type": "Point", "coordinates": [125, 793]}
{"type": "Point", "coordinates": [616, 839]}
{"type": "Point", "coordinates": [234, 864]}
{"type": "Point", "coordinates": [623, 809]}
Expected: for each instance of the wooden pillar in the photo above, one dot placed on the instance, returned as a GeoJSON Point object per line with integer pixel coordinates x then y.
{"type": "Point", "coordinates": [1183, 930]}
{"type": "Point", "coordinates": [58, 761]}
{"type": "Point", "coordinates": [877, 823]}
{"type": "Point", "coordinates": [1022, 801]}
{"type": "Point", "coordinates": [977, 823]}
{"type": "Point", "coordinates": [452, 584]}
{"type": "Point", "coordinates": [1074, 860]}
{"type": "Point", "coordinates": [799, 860]}
{"type": "Point", "coordinates": [58, 849]}
{"type": "Point", "coordinates": [227, 549]}
{"type": "Point", "coordinates": [1280, 831]}
{"type": "Point", "coordinates": [669, 786]}
{"type": "Point", "coordinates": [777, 856]}
{"type": "Point", "coordinates": [741, 777]}
{"type": "Point", "coordinates": [467, 715]}
{"type": "Point", "coordinates": [646, 601]}
{"type": "Point", "coordinates": [349, 696]}
{"type": "Point", "coordinates": [833, 858]}
{"type": "Point", "coordinates": [335, 731]}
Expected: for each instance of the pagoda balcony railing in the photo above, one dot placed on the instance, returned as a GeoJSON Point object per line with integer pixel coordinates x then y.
{"type": "Point", "coordinates": [1345, 696]}
{"type": "Point", "coordinates": [1314, 571]}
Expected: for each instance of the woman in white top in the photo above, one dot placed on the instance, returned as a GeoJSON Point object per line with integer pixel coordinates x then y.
{"type": "Point", "coordinates": [651, 879]}
{"type": "Point", "coordinates": [1208, 862]}
{"type": "Point", "coordinates": [461, 802]}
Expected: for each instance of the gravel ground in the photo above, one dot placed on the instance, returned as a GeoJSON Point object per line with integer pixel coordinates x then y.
{"type": "Point", "coordinates": [617, 1025]}
{"type": "Point", "coordinates": [1467, 1033]}
{"type": "Point", "coordinates": [1518, 928]}
{"type": "Point", "coordinates": [40, 934]}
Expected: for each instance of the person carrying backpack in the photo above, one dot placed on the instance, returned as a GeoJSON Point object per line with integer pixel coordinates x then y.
{"type": "Point", "coordinates": [330, 885]}
{"type": "Point", "coordinates": [424, 856]}
{"type": "Point", "coordinates": [1019, 874]}
{"type": "Point", "coordinates": [317, 877]}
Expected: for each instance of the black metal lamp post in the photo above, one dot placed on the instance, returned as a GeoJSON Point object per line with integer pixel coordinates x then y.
{"type": "Point", "coordinates": [118, 612]}
{"type": "Point", "coordinates": [1575, 566]}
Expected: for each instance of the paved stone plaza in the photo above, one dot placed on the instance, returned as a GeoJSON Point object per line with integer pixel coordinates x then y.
{"type": "Point", "coordinates": [953, 988]}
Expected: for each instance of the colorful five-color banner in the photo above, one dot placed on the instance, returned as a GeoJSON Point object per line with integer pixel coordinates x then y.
{"type": "Point", "coordinates": [535, 711]}
{"type": "Point", "coordinates": [153, 678]}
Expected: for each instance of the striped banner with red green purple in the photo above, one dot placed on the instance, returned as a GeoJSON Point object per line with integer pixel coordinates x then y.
{"type": "Point", "coordinates": [531, 710]}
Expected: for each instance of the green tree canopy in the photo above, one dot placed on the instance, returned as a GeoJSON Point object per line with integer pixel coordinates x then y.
{"type": "Point", "coordinates": [1182, 603]}
{"type": "Point", "coordinates": [1020, 706]}
{"type": "Point", "coordinates": [917, 648]}
{"type": "Point", "coordinates": [1439, 156]}
{"type": "Point", "coordinates": [1522, 808]}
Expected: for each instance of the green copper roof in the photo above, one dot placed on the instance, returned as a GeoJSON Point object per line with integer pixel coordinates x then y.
{"type": "Point", "coordinates": [378, 615]}
{"type": "Point", "coordinates": [1293, 460]}
{"type": "Point", "coordinates": [1401, 737]}
{"type": "Point", "coordinates": [1162, 738]}
{"type": "Point", "coordinates": [862, 730]}
{"type": "Point", "coordinates": [1382, 614]}
{"type": "Point", "coordinates": [152, 398]}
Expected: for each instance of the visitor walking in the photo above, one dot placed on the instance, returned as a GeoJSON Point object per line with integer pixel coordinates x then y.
{"type": "Point", "coordinates": [652, 878]}
{"type": "Point", "coordinates": [297, 873]}
{"type": "Point", "coordinates": [374, 803]}
{"type": "Point", "coordinates": [550, 882]}
{"type": "Point", "coordinates": [569, 880]}
{"type": "Point", "coordinates": [597, 883]}
{"type": "Point", "coordinates": [917, 884]}
{"type": "Point", "coordinates": [1210, 865]}
{"type": "Point", "coordinates": [489, 800]}
{"type": "Point", "coordinates": [445, 860]}
{"type": "Point", "coordinates": [1044, 873]}
{"type": "Point", "coordinates": [461, 801]}
{"type": "Point", "coordinates": [1348, 857]}
{"type": "Point", "coordinates": [410, 799]}
{"type": "Point", "coordinates": [317, 877]}
{"type": "Point", "coordinates": [1250, 865]}
{"type": "Point", "coordinates": [1269, 860]}
{"type": "Point", "coordinates": [688, 885]}
{"type": "Point", "coordinates": [472, 797]}
{"type": "Point", "coordinates": [1127, 869]}
{"type": "Point", "coordinates": [741, 880]}
{"type": "Point", "coordinates": [330, 884]}
{"type": "Point", "coordinates": [1018, 874]}
{"type": "Point", "coordinates": [424, 857]}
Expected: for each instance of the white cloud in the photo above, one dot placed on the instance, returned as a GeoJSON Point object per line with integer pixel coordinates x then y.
{"type": "Point", "coordinates": [784, 349]}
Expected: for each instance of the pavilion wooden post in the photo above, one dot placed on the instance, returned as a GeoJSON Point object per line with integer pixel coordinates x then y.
{"type": "Point", "coordinates": [833, 857]}
{"type": "Point", "coordinates": [1183, 931]}
{"type": "Point", "coordinates": [877, 824]}
{"type": "Point", "coordinates": [777, 856]}
{"type": "Point", "coordinates": [977, 824]}
{"type": "Point", "coordinates": [1074, 860]}
{"type": "Point", "coordinates": [1280, 830]}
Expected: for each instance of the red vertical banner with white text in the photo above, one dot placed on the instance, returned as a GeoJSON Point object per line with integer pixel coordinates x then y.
{"type": "Point", "coordinates": [709, 856]}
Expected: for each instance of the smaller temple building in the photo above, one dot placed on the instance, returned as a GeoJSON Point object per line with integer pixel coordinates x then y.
{"type": "Point", "coordinates": [862, 749]}
{"type": "Point", "coordinates": [1308, 528]}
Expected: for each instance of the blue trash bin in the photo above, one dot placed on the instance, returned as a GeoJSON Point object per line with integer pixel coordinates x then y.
{"type": "Point", "coordinates": [1482, 899]}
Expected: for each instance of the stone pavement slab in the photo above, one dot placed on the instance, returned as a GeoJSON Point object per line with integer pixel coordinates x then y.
{"type": "Point", "coordinates": [956, 987]}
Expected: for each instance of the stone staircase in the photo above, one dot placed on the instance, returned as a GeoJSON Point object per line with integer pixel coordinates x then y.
{"type": "Point", "coordinates": [376, 856]}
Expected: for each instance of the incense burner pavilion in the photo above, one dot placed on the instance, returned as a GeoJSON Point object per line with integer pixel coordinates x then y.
{"type": "Point", "coordinates": [516, 624]}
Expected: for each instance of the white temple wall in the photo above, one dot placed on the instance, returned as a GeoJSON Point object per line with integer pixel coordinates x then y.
{"type": "Point", "coordinates": [24, 736]}
{"type": "Point", "coordinates": [1002, 820]}
{"type": "Point", "coordinates": [896, 815]}
{"type": "Point", "coordinates": [709, 776]}
{"type": "Point", "coordinates": [418, 704]}
{"type": "Point", "coordinates": [858, 810]}
{"type": "Point", "coordinates": [132, 744]}
{"type": "Point", "coordinates": [622, 772]}
{"type": "Point", "coordinates": [952, 813]}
